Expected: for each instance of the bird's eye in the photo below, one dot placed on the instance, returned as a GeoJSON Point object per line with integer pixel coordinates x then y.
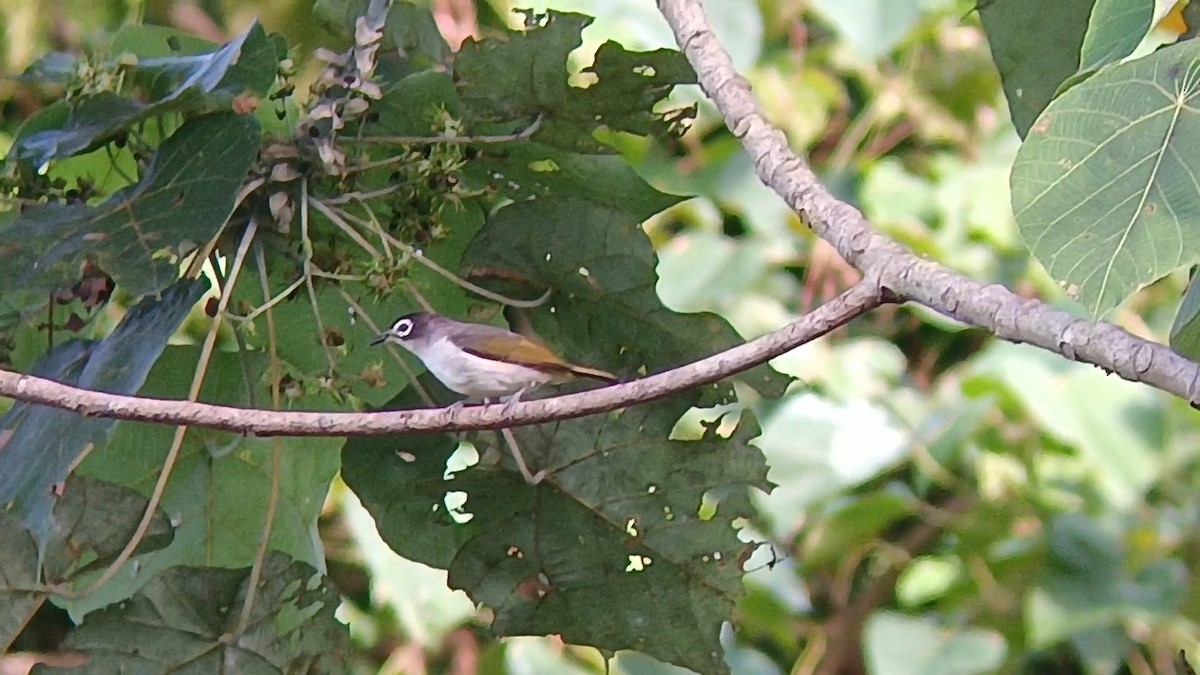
{"type": "Point", "coordinates": [403, 327]}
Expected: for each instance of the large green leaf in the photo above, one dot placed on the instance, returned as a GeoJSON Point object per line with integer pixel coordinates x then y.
{"type": "Point", "coordinates": [181, 623]}
{"type": "Point", "coordinates": [187, 84]}
{"type": "Point", "coordinates": [92, 521]}
{"type": "Point", "coordinates": [1115, 29]}
{"type": "Point", "coordinates": [611, 549]}
{"type": "Point", "coordinates": [604, 310]}
{"type": "Point", "coordinates": [1104, 188]}
{"type": "Point", "coordinates": [220, 486]}
{"type": "Point", "coordinates": [526, 76]}
{"type": "Point", "coordinates": [1185, 330]}
{"type": "Point", "coordinates": [1036, 47]}
{"type": "Point", "coordinates": [39, 444]}
{"type": "Point", "coordinates": [183, 199]}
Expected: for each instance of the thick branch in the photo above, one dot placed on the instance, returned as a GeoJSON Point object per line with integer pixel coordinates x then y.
{"type": "Point", "coordinates": [854, 302]}
{"type": "Point", "coordinates": [893, 267]}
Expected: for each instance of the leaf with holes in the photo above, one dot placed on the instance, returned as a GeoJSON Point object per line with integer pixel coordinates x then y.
{"type": "Point", "coordinates": [617, 547]}
{"type": "Point", "coordinates": [604, 311]}
{"type": "Point", "coordinates": [526, 76]}
{"type": "Point", "coordinates": [1104, 188]}
{"type": "Point", "coordinates": [185, 621]}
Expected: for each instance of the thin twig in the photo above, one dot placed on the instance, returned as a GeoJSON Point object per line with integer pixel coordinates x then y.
{"type": "Point", "coordinates": [342, 224]}
{"type": "Point", "coordinates": [418, 140]}
{"type": "Point", "coordinates": [210, 341]}
{"type": "Point", "coordinates": [264, 538]}
{"type": "Point", "coordinates": [419, 256]}
{"type": "Point", "coordinates": [412, 376]}
{"type": "Point", "coordinates": [347, 197]}
{"type": "Point", "coordinates": [308, 275]}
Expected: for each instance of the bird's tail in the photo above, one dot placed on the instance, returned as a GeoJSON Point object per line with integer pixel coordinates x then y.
{"type": "Point", "coordinates": [594, 373]}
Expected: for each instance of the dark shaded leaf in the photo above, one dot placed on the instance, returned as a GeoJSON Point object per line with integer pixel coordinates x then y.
{"type": "Point", "coordinates": [93, 521]}
{"type": "Point", "coordinates": [39, 444]}
{"type": "Point", "coordinates": [184, 199]}
{"type": "Point", "coordinates": [181, 620]}
{"type": "Point", "coordinates": [18, 578]}
{"type": "Point", "coordinates": [1036, 47]}
{"type": "Point", "coordinates": [220, 486]}
{"type": "Point", "coordinates": [410, 29]}
{"type": "Point", "coordinates": [604, 311]}
{"type": "Point", "coordinates": [612, 549]}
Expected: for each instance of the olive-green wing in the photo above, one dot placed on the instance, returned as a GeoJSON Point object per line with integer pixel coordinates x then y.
{"type": "Point", "coordinates": [505, 346]}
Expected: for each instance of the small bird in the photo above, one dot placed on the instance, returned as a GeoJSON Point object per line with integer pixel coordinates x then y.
{"type": "Point", "coordinates": [481, 361]}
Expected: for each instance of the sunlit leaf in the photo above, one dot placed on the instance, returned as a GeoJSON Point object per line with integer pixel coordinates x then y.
{"type": "Point", "coordinates": [1104, 187]}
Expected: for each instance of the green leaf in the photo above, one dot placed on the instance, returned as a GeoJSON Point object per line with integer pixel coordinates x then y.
{"type": "Point", "coordinates": [1115, 29]}
{"type": "Point", "coordinates": [1104, 188]}
{"type": "Point", "coordinates": [1036, 47]}
{"type": "Point", "coordinates": [138, 235]}
{"type": "Point", "coordinates": [150, 42]}
{"type": "Point", "coordinates": [220, 485]}
{"type": "Point", "coordinates": [817, 447]}
{"type": "Point", "coordinates": [613, 542]}
{"type": "Point", "coordinates": [861, 520]}
{"type": "Point", "coordinates": [896, 644]}
{"type": "Point", "coordinates": [604, 311]}
{"type": "Point", "coordinates": [526, 75]}
{"type": "Point", "coordinates": [409, 28]}
{"type": "Point", "coordinates": [183, 84]}
{"type": "Point", "coordinates": [873, 28]}
{"type": "Point", "coordinates": [19, 597]}
{"type": "Point", "coordinates": [40, 444]}
{"type": "Point", "coordinates": [52, 68]}
{"type": "Point", "coordinates": [181, 622]}
{"type": "Point", "coordinates": [1185, 331]}
{"type": "Point", "coordinates": [1086, 586]}
{"type": "Point", "coordinates": [1117, 429]}
{"type": "Point", "coordinates": [91, 523]}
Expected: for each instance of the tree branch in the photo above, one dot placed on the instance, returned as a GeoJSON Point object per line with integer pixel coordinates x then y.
{"type": "Point", "coordinates": [830, 316]}
{"type": "Point", "coordinates": [895, 269]}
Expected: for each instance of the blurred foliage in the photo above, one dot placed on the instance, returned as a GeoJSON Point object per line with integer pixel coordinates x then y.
{"type": "Point", "coordinates": [946, 503]}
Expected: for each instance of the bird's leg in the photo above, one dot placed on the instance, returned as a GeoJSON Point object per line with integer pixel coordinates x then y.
{"type": "Point", "coordinates": [513, 401]}
{"type": "Point", "coordinates": [531, 478]}
{"type": "Point", "coordinates": [511, 441]}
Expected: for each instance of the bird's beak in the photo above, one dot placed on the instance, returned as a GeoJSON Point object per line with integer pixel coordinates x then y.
{"type": "Point", "coordinates": [380, 339]}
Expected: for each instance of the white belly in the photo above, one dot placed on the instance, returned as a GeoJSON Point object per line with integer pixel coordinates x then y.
{"type": "Point", "coordinates": [472, 376]}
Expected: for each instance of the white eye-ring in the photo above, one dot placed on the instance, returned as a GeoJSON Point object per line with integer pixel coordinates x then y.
{"type": "Point", "coordinates": [403, 327]}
